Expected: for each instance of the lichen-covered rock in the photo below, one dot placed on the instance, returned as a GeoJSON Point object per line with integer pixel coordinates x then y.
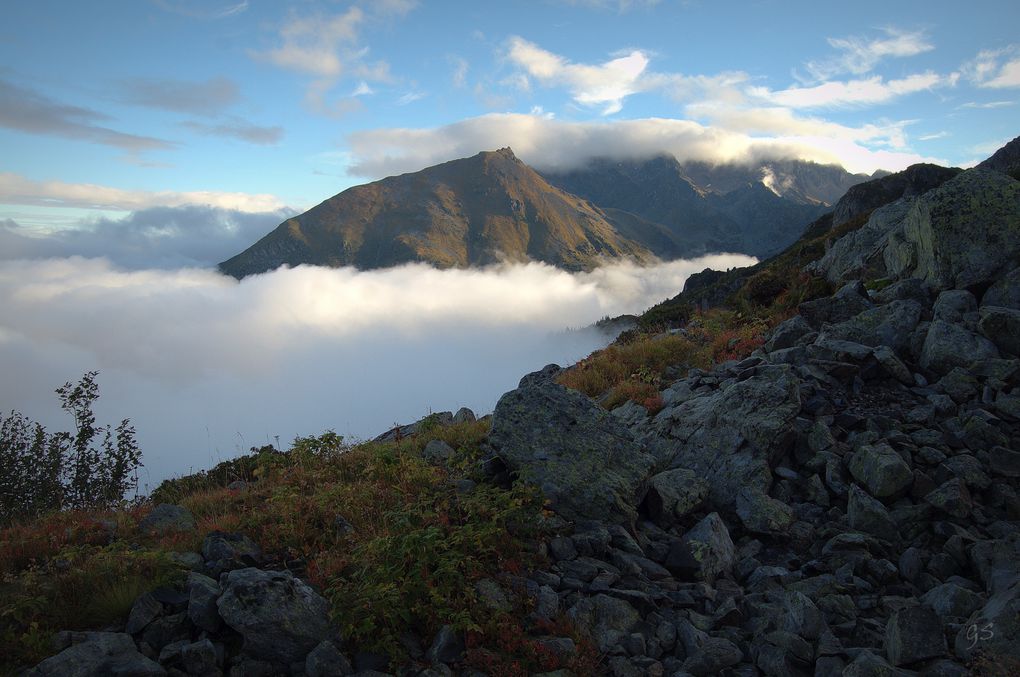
{"type": "Point", "coordinates": [954, 305]}
{"type": "Point", "coordinates": [762, 514]}
{"type": "Point", "coordinates": [787, 333]}
{"type": "Point", "coordinates": [881, 470]}
{"type": "Point", "coordinates": [867, 514]}
{"type": "Point", "coordinates": [704, 552]}
{"type": "Point", "coordinates": [584, 460]}
{"type": "Point", "coordinates": [167, 517]}
{"type": "Point", "coordinates": [729, 437]}
{"type": "Point", "coordinates": [949, 345]}
{"type": "Point", "coordinates": [202, 595]}
{"type": "Point", "coordinates": [100, 654]}
{"type": "Point", "coordinates": [859, 253]}
{"type": "Point", "coordinates": [1001, 326]}
{"type": "Point", "coordinates": [951, 497]}
{"type": "Point", "coordinates": [890, 325]}
{"type": "Point", "coordinates": [851, 299]}
{"type": "Point", "coordinates": [280, 617]}
{"type": "Point", "coordinates": [605, 619]}
{"type": "Point", "coordinates": [673, 494]}
{"type": "Point", "coordinates": [994, 629]}
{"type": "Point", "coordinates": [949, 599]}
{"type": "Point", "coordinates": [1005, 292]}
{"type": "Point", "coordinates": [913, 634]}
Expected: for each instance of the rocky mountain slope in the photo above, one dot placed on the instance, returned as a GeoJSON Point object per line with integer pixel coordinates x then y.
{"type": "Point", "coordinates": [492, 207]}
{"type": "Point", "coordinates": [470, 212]}
{"type": "Point", "coordinates": [755, 209]}
{"type": "Point", "coordinates": [836, 491]}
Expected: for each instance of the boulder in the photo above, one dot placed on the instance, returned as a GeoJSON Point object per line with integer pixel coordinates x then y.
{"type": "Point", "coordinates": [585, 461]}
{"type": "Point", "coordinates": [438, 451]}
{"type": "Point", "coordinates": [674, 494]}
{"type": "Point", "coordinates": [166, 518]}
{"type": "Point", "coordinates": [1001, 326]}
{"type": "Point", "coordinates": [949, 345]}
{"type": "Point", "coordinates": [859, 253]}
{"type": "Point", "coordinates": [952, 498]}
{"type": "Point", "coordinates": [730, 437]}
{"type": "Point", "coordinates": [962, 235]}
{"type": "Point", "coordinates": [954, 305]}
{"type": "Point", "coordinates": [447, 647]}
{"type": "Point", "coordinates": [1004, 292]}
{"type": "Point", "coordinates": [279, 616]}
{"type": "Point", "coordinates": [325, 660]}
{"type": "Point", "coordinates": [881, 470]}
{"type": "Point", "coordinates": [912, 634]}
{"type": "Point", "coordinates": [994, 629]}
{"type": "Point", "coordinates": [850, 300]}
{"type": "Point", "coordinates": [226, 551]}
{"type": "Point", "coordinates": [890, 325]}
{"type": "Point", "coordinates": [145, 610]}
{"type": "Point", "coordinates": [787, 333]}
{"type": "Point", "coordinates": [704, 552]}
{"type": "Point", "coordinates": [99, 654]}
{"type": "Point", "coordinates": [867, 514]}
{"type": "Point", "coordinates": [464, 415]}
{"type": "Point", "coordinates": [949, 599]}
{"type": "Point", "coordinates": [605, 619]}
{"type": "Point", "coordinates": [202, 595]}
{"type": "Point", "coordinates": [761, 513]}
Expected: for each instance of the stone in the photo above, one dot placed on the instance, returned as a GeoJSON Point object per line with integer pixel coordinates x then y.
{"type": "Point", "coordinates": [787, 333]}
{"type": "Point", "coordinates": [166, 630]}
{"type": "Point", "coordinates": [761, 513]}
{"type": "Point", "coordinates": [447, 646]}
{"type": "Point", "coordinates": [892, 365]}
{"type": "Point", "coordinates": [910, 289]}
{"type": "Point", "coordinates": [279, 616]}
{"type": "Point", "coordinates": [951, 497]}
{"type": "Point", "coordinates": [865, 513]}
{"type": "Point", "coordinates": [949, 599]}
{"type": "Point", "coordinates": [325, 660]}
{"type": "Point", "coordinates": [960, 385]}
{"type": "Point", "coordinates": [202, 595]}
{"type": "Point", "coordinates": [713, 656]}
{"type": "Point", "coordinates": [848, 301]}
{"type": "Point", "coordinates": [729, 437]}
{"type": "Point", "coordinates": [1004, 462]}
{"type": "Point", "coordinates": [890, 325]}
{"type": "Point", "coordinates": [950, 345]}
{"type": "Point", "coordinates": [199, 658]}
{"type": "Point", "coordinates": [100, 654]}
{"type": "Point", "coordinates": [674, 494]}
{"type": "Point", "coordinates": [145, 610]}
{"type": "Point", "coordinates": [1001, 326]}
{"type": "Point", "coordinates": [912, 634]}
{"type": "Point", "coordinates": [882, 471]}
{"type": "Point", "coordinates": [1004, 292]}
{"type": "Point", "coordinates": [953, 305]}
{"type": "Point", "coordinates": [605, 619]}
{"type": "Point", "coordinates": [867, 664]}
{"type": "Point", "coordinates": [994, 629]}
{"type": "Point", "coordinates": [704, 552]}
{"type": "Point", "coordinates": [464, 415]}
{"type": "Point", "coordinates": [491, 595]}
{"type": "Point", "coordinates": [586, 463]}
{"type": "Point", "coordinates": [231, 549]}
{"type": "Point", "coordinates": [438, 451]}
{"type": "Point", "coordinates": [166, 518]}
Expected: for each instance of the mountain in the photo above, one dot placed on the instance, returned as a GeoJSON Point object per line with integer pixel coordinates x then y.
{"type": "Point", "coordinates": [469, 212]}
{"type": "Point", "coordinates": [1006, 159]}
{"type": "Point", "coordinates": [755, 209]}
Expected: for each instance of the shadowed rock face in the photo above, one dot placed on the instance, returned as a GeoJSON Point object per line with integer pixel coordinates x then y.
{"type": "Point", "coordinates": [471, 212]}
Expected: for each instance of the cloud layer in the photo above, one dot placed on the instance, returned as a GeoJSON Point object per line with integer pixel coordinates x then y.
{"type": "Point", "coordinates": [555, 144]}
{"type": "Point", "coordinates": [207, 367]}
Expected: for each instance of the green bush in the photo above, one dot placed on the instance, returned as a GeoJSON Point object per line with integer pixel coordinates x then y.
{"type": "Point", "coordinates": [93, 467]}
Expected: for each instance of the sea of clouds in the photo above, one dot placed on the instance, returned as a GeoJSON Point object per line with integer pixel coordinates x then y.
{"type": "Point", "coordinates": [207, 367]}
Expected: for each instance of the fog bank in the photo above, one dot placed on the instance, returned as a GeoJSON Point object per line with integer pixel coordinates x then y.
{"type": "Point", "coordinates": [207, 367]}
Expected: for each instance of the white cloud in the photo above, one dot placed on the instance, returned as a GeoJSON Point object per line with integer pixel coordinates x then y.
{"type": "Point", "coordinates": [932, 137]}
{"type": "Point", "coordinates": [363, 89]}
{"type": "Point", "coordinates": [995, 68]}
{"type": "Point", "coordinates": [202, 363]}
{"type": "Point", "coordinates": [860, 55]}
{"type": "Point", "coordinates": [873, 90]}
{"type": "Point", "coordinates": [16, 189]}
{"type": "Point", "coordinates": [988, 104]}
{"type": "Point", "coordinates": [410, 97]}
{"type": "Point", "coordinates": [734, 136]}
{"type": "Point", "coordinates": [620, 6]}
{"type": "Point", "coordinates": [606, 84]}
{"type": "Point", "coordinates": [157, 237]}
{"type": "Point", "coordinates": [460, 71]}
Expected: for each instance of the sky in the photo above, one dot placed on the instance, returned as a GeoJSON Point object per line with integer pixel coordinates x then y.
{"type": "Point", "coordinates": [143, 141]}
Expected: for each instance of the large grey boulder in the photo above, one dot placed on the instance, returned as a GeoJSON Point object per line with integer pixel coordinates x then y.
{"type": "Point", "coordinates": [888, 325]}
{"type": "Point", "coordinates": [881, 470]}
{"type": "Point", "coordinates": [994, 629]}
{"type": "Point", "coordinates": [673, 494]}
{"type": "Point", "coordinates": [848, 301]}
{"type": "Point", "coordinates": [202, 595]}
{"type": "Point", "coordinates": [949, 345]}
{"type": "Point", "coordinates": [280, 617]}
{"type": "Point", "coordinates": [964, 234]}
{"type": "Point", "coordinates": [867, 514]}
{"type": "Point", "coordinates": [101, 654]}
{"type": "Point", "coordinates": [913, 634]}
{"type": "Point", "coordinates": [859, 253]}
{"type": "Point", "coordinates": [167, 517]}
{"type": "Point", "coordinates": [704, 552]}
{"type": "Point", "coordinates": [605, 619]}
{"type": "Point", "coordinates": [954, 305]}
{"type": "Point", "coordinates": [1001, 326]}
{"type": "Point", "coordinates": [731, 437]}
{"type": "Point", "coordinates": [1005, 292]}
{"type": "Point", "coordinates": [585, 461]}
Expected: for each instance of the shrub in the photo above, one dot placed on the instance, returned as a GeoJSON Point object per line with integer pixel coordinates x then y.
{"type": "Point", "coordinates": [93, 467]}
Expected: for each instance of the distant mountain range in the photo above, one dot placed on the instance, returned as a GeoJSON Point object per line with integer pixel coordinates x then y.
{"type": "Point", "coordinates": [492, 207]}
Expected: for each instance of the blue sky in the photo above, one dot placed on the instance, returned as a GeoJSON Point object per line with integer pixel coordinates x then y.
{"type": "Point", "coordinates": [251, 106]}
